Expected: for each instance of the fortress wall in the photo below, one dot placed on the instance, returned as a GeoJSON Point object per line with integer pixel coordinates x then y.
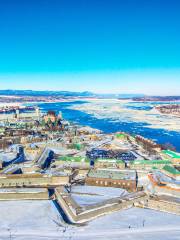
{"type": "Point", "coordinates": [43, 195]}
{"type": "Point", "coordinates": [32, 180]}
{"type": "Point", "coordinates": [90, 214]}
{"type": "Point", "coordinates": [105, 209]}
{"type": "Point", "coordinates": [69, 212]}
{"type": "Point", "coordinates": [170, 207]}
{"type": "Point", "coordinates": [167, 191]}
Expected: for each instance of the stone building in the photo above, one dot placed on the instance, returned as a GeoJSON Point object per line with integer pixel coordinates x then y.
{"type": "Point", "coordinates": [109, 163]}
{"type": "Point", "coordinates": [50, 117]}
{"type": "Point", "coordinates": [112, 178]}
{"type": "Point", "coordinates": [33, 149]}
{"type": "Point", "coordinates": [163, 185]}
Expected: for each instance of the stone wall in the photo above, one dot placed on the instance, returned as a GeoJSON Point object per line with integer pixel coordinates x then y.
{"type": "Point", "coordinates": [24, 195]}
{"type": "Point", "coordinates": [129, 185]}
{"type": "Point", "coordinates": [162, 205]}
{"type": "Point", "coordinates": [76, 216]}
{"type": "Point", "coordinates": [32, 180]}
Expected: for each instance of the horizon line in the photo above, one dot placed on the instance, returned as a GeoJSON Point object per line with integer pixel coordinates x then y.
{"type": "Point", "coordinates": [91, 92]}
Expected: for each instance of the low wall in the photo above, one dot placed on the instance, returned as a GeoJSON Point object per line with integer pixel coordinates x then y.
{"type": "Point", "coordinates": [164, 205]}
{"type": "Point", "coordinates": [167, 191]}
{"type": "Point", "coordinates": [24, 194]}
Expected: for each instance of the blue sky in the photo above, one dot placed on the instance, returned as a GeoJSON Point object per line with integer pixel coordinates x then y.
{"type": "Point", "coordinates": [97, 45]}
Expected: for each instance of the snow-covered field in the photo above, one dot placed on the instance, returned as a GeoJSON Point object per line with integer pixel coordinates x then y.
{"type": "Point", "coordinates": [91, 195]}
{"type": "Point", "coordinates": [39, 220]}
{"type": "Point", "coordinates": [93, 190]}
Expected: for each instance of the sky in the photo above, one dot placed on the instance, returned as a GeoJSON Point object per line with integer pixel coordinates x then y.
{"type": "Point", "coordinates": [115, 46]}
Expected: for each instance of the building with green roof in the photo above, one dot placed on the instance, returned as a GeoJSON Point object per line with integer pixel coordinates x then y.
{"type": "Point", "coordinates": [106, 162]}
{"type": "Point", "coordinates": [172, 154]}
{"type": "Point", "coordinates": [149, 164]}
{"type": "Point", "coordinates": [77, 146]}
{"type": "Point", "coordinates": [171, 172]}
{"type": "Point", "coordinates": [72, 161]}
{"type": "Point", "coordinates": [121, 136]}
{"type": "Point", "coordinates": [126, 179]}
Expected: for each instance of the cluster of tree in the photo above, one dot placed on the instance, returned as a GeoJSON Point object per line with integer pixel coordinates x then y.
{"type": "Point", "coordinates": [148, 145]}
{"type": "Point", "coordinates": [169, 109]}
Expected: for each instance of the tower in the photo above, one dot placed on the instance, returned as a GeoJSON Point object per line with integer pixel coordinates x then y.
{"type": "Point", "coordinates": [17, 114]}
{"type": "Point", "coordinates": [60, 115]}
{"type": "Point", "coordinates": [37, 112]}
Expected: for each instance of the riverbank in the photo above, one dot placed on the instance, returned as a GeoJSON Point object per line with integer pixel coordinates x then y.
{"type": "Point", "coordinates": [121, 111]}
{"type": "Point", "coordinates": [73, 112]}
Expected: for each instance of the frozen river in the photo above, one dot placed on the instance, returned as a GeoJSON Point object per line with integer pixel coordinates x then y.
{"type": "Point", "coordinates": [113, 115]}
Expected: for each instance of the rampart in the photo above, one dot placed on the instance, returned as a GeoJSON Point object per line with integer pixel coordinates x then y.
{"type": "Point", "coordinates": [24, 194]}
{"type": "Point", "coordinates": [32, 180]}
{"type": "Point", "coordinates": [164, 203]}
{"type": "Point", "coordinates": [76, 215]}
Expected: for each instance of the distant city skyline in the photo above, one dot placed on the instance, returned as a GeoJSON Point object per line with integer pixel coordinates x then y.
{"type": "Point", "coordinates": [101, 46]}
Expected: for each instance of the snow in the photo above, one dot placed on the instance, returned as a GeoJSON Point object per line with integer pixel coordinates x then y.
{"type": "Point", "coordinates": [22, 190]}
{"type": "Point", "coordinates": [40, 220]}
{"type": "Point", "coordinates": [7, 156]}
{"type": "Point", "coordinates": [87, 195]}
{"type": "Point", "coordinates": [110, 192]}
